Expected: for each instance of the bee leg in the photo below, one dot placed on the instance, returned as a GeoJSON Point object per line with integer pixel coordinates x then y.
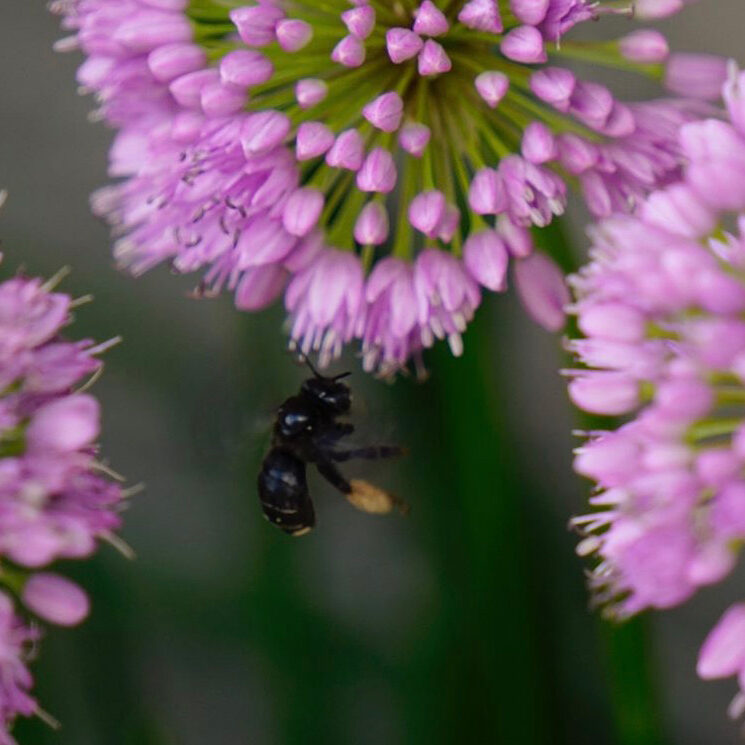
{"type": "Point", "coordinates": [361, 494]}
{"type": "Point", "coordinates": [372, 452]}
{"type": "Point", "coordinates": [332, 474]}
{"type": "Point", "coordinates": [339, 430]}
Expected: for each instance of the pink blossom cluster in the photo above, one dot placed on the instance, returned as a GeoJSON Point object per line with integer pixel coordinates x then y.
{"type": "Point", "coordinates": [56, 499]}
{"type": "Point", "coordinates": [661, 306]}
{"type": "Point", "coordinates": [379, 165]}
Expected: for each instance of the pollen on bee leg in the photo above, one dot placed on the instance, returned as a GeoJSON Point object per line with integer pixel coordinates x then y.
{"type": "Point", "coordinates": [374, 500]}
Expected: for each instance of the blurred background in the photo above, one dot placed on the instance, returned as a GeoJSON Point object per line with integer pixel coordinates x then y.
{"type": "Point", "coordinates": [466, 622]}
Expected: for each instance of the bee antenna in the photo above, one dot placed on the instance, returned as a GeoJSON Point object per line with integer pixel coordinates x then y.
{"type": "Point", "coordinates": [307, 361]}
{"type": "Point", "coordinates": [342, 375]}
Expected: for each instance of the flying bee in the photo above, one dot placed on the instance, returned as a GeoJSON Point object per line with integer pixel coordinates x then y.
{"type": "Point", "coordinates": [307, 430]}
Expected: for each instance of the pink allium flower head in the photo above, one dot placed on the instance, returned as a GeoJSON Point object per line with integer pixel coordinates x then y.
{"type": "Point", "coordinates": [17, 640]}
{"type": "Point", "coordinates": [660, 305]}
{"type": "Point", "coordinates": [247, 131]}
{"type": "Point", "coordinates": [53, 502]}
{"type": "Point", "coordinates": [56, 500]}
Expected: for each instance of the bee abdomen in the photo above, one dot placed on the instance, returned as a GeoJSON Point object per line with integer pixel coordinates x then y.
{"type": "Point", "coordinates": [283, 491]}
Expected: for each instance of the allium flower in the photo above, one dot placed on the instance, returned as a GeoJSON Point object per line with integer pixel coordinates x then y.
{"type": "Point", "coordinates": [259, 140]}
{"type": "Point", "coordinates": [16, 646]}
{"type": "Point", "coordinates": [662, 309]}
{"type": "Point", "coordinates": [56, 499]}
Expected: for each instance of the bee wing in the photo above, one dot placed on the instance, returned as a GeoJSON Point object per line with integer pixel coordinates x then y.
{"type": "Point", "coordinates": [249, 433]}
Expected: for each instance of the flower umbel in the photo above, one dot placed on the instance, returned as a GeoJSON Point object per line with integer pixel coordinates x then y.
{"type": "Point", "coordinates": [662, 309]}
{"type": "Point", "coordinates": [56, 499]}
{"type": "Point", "coordinates": [263, 135]}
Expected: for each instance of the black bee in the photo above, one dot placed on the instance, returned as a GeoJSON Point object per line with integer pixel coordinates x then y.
{"type": "Point", "coordinates": [307, 430]}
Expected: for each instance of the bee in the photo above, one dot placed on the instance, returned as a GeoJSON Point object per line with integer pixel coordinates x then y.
{"type": "Point", "coordinates": [307, 430]}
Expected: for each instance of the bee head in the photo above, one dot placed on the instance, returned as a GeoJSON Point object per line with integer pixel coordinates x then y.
{"type": "Point", "coordinates": [333, 395]}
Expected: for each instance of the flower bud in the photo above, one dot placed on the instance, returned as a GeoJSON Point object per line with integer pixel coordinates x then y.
{"type": "Point", "coordinates": [256, 24]}
{"type": "Point", "coordinates": [426, 211]}
{"type": "Point", "coordinates": [614, 321]}
{"type": "Point", "coordinates": [385, 112]}
{"type": "Point", "coordinates": [245, 67]}
{"type": "Point", "coordinates": [486, 195]}
{"type": "Point", "coordinates": [378, 172]}
{"type": "Point", "coordinates": [371, 228]}
{"type": "Point", "coordinates": [260, 286]}
{"type": "Point", "coordinates": [402, 44]}
{"type": "Point", "coordinates": [554, 85]}
{"type": "Point", "coordinates": [433, 59]}
{"type": "Point", "coordinates": [147, 30]}
{"type": "Point", "coordinates": [359, 21]}
{"type": "Point", "coordinates": [55, 599]}
{"type": "Point", "coordinates": [302, 211]}
{"type": "Point", "coordinates": [696, 75]}
{"type": "Point", "coordinates": [220, 99]}
{"type": "Point", "coordinates": [538, 143]}
{"type": "Point", "coordinates": [429, 20]}
{"type": "Point", "coordinates": [350, 52]}
{"type": "Point", "coordinates": [607, 393]}
{"type": "Point", "coordinates": [66, 424]}
{"type": "Point", "coordinates": [492, 86]}
{"type": "Point", "coordinates": [172, 60]}
{"type": "Point", "coordinates": [187, 89]}
{"type": "Point", "coordinates": [723, 652]}
{"type": "Point", "coordinates": [263, 131]}
{"type": "Point", "coordinates": [486, 258]}
{"type": "Point", "coordinates": [524, 44]}
{"type": "Point", "coordinates": [653, 9]}
{"type": "Point", "coordinates": [734, 98]}
{"type": "Point", "coordinates": [530, 11]}
{"type": "Point", "coordinates": [414, 138]}
{"type": "Point", "coordinates": [313, 139]}
{"type": "Point", "coordinates": [482, 15]}
{"type": "Point", "coordinates": [310, 91]}
{"type": "Point", "coordinates": [293, 34]}
{"type": "Point", "coordinates": [348, 151]}
{"type": "Point", "coordinates": [542, 290]}
{"type": "Point", "coordinates": [645, 46]}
